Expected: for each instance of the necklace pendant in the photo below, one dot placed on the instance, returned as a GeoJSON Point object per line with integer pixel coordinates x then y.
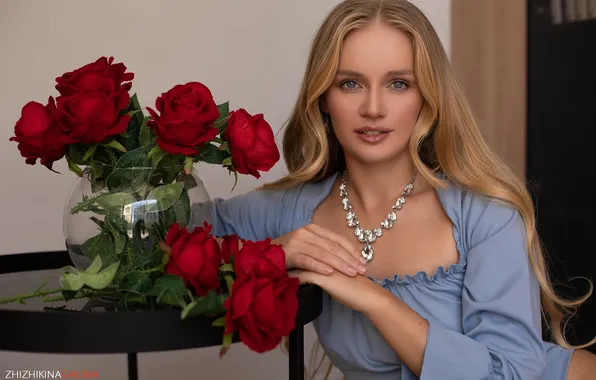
{"type": "Point", "coordinates": [368, 252]}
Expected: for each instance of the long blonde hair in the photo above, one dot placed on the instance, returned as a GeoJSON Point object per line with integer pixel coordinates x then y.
{"type": "Point", "coordinates": [445, 139]}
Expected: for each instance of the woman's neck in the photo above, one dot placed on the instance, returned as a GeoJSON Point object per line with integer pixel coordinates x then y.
{"type": "Point", "coordinates": [375, 186]}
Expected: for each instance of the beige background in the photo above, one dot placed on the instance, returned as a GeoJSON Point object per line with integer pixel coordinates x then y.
{"type": "Point", "coordinates": [249, 52]}
{"type": "Point", "coordinates": [489, 56]}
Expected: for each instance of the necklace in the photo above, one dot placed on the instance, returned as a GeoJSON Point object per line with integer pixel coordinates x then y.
{"type": "Point", "coordinates": [370, 236]}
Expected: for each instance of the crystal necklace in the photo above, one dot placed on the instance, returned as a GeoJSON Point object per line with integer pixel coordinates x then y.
{"type": "Point", "coordinates": [369, 236]}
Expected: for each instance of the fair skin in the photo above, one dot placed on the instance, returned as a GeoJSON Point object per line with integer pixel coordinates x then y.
{"type": "Point", "coordinates": [582, 366]}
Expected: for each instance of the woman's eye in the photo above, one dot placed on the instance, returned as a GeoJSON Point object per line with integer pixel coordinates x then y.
{"type": "Point", "coordinates": [349, 84]}
{"type": "Point", "coordinates": [398, 85]}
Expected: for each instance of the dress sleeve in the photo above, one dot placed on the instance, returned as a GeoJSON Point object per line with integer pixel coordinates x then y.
{"type": "Point", "coordinates": [255, 215]}
{"type": "Point", "coordinates": [501, 317]}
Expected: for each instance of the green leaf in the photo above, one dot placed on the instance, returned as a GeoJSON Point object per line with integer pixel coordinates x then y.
{"type": "Point", "coordinates": [115, 145]}
{"type": "Point", "coordinates": [170, 290]}
{"type": "Point", "coordinates": [136, 282]}
{"type": "Point", "coordinates": [128, 180]}
{"type": "Point", "coordinates": [96, 169]}
{"type": "Point", "coordinates": [229, 282]}
{"type": "Point", "coordinates": [136, 158]}
{"type": "Point", "coordinates": [114, 225]}
{"type": "Point", "coordinates": [71, 282]}
{"type": "Point", "coordinates": [100, 245]}
{"type": "Point", "coordinates": [189, 181]}
{"type": "Point", "coordinates": [73, 167]}
{"type": "Point", "coordinates": [156, 155]}
{"type": "Point", "coordinates": [226, 268]}
{"type": "Point", "coordinates": [225, 146]}
{"type": "Point", "coordinates": [134, 298]}
{"type": "Point", "coordinates": [95, 266]}
{"type": "Point", "coordinates": [211, 304]}
{"type": "Point", "coordinates": [76, 152]}
{"type": "Point", "coordinates": [219, 322]}
{"type": "Point", "coordinates": [132, 171]}
{"type": "Point", "coordinates": [133, 104]}
{"type": "Point", "coordinates": [90, 152]}
{"type": "Point", "coordinates": [164, 196]}
{"type": "Point", "coordinates": [134, 125]}
{"type": "Point", "coordinates": [102, 279]}
{"type": "Point", "coordinates": [146, 134]}
{"type": "Point", "coordinates": [111, 157]}
{"type": "Point", "coordinates": [224, 109]}
{"type": "Point", "coordinates": [227, 162]}
{"type": "Point", "coordinates": [74, 280]}
{"type": "Point", "coordinates": [210, 154]}
{"type": "Point", "coordinates": [224, 115]}
{"type": "Point", "coordinates": [99, 223]}
{"type": "Point", "coordinates": [179, 212]}
{"type": "Point", "coordinates": [115, 202]}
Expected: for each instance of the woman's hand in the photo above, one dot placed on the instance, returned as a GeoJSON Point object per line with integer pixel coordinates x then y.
{"type": "Point", "coordinates": [359, 293]}
{"type": "Point", "coordinates": [316, 249]}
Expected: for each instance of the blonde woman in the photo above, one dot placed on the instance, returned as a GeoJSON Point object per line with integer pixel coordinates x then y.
{"type": "Point", "coordinates": [422, 239]}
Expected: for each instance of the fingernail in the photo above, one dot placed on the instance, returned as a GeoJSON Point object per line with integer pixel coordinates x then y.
{"type": "Point", "coordinates": [361, 268]}
{"type": "Point", "coordinates": [363, 261]}
{"type": "Point", "coordinates": [328, 270]}
{"type": "Point", "coordinates": [351, 270]}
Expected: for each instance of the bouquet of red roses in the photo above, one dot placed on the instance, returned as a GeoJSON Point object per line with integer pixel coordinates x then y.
{"type": "Point", "coordinates": [134, 162]}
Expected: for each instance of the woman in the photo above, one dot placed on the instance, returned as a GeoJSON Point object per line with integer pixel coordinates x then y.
{"type": "Point", "coordinates": [423, 240]}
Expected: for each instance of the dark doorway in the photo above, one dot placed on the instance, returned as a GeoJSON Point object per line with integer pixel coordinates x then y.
{"type": "Point", "coordinates": [561, 144]}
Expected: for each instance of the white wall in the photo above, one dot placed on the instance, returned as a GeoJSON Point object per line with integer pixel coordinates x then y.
{"type": "Point", "coordinates": [249, 52]}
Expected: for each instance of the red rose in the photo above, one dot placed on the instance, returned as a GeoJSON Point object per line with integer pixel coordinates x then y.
{"type": "Point", "coordinates": [263, 303]}
{"type": "Point", "coordinates": [252, 143]}
{"type": "Point", "coordinates": [229, 248]}
{"type": "Point", "coordinates": [187, 113]}
{"type": "Point", "coordinates": [92, 100]}
{"type": "Point", "coordinates": [99, 75]}
{"type": "Point", "coordinates": [37, 134]}
{"type": "Point", "coordinates": [91, 117]}
{"type": "Point", "coordinates": [195, 257]}
{"type": "Point", "coordinates": [268, 257]}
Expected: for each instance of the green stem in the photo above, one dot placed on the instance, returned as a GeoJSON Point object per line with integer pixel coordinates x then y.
{"type": "Point", "coordinates": [151, 270]}
{"type": "Point", "coordinates": [23, 297]}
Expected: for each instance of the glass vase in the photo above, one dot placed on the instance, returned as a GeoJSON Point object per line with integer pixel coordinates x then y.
{"type": "Point", "coordinates": [123, 217]}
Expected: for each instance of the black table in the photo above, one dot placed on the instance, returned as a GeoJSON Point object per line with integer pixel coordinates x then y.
{"type": "Point", "coordinates": [21, 329]}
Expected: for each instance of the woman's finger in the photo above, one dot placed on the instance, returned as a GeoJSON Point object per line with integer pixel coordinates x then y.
{"type": "Point", "coordinates": [306, 262]}
{"type": "Point", "coordinates": [339, 239]}
{"type": "Point", "coordinates": [331, 253]}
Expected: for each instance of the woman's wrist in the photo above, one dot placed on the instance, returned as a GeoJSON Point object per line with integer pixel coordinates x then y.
{"type": "Point", "coordinates": [380, 303]}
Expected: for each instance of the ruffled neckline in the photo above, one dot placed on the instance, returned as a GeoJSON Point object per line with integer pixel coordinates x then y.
{"type": "Point", "coordinates": [422, 277]}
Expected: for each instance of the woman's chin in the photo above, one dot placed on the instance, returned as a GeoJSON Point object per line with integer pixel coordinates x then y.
{"type": "Point", "coordinates": [374, 156]}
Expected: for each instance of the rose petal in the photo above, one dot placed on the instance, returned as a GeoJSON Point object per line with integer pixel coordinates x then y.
{"type": "Point", "coordinates": [242, 290]}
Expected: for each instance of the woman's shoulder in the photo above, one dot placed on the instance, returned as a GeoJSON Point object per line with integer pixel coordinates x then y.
{"type": "Point", "coordinates": [478, 217]}
{"type": "Point", "coordinates": [267, 212]}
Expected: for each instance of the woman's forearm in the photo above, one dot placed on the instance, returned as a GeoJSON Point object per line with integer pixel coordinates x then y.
{"type": "Point", "coordinates": [402, 328]}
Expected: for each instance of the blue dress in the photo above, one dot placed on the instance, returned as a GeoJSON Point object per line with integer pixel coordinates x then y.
{"type": "Point", "coordinates": [483, 312]}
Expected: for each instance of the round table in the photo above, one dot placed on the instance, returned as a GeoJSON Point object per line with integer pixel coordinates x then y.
{"type": "Point", "coordinates": [69, 332]}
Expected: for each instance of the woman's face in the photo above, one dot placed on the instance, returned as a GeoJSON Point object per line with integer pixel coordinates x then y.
{"type": "Point", "coordinates": [374, 100]}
